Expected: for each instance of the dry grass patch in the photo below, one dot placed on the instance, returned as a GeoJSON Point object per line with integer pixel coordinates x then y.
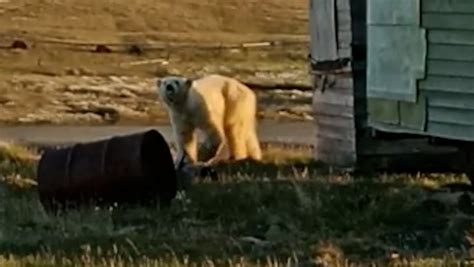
{"type": "Point", "coordinates": [15, 152]}
{"type": "Point", "coordinates": [17, 164]}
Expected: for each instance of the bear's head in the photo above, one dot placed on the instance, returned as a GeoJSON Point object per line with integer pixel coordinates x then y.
{"type": "Point", "coordinates": [173, 90]}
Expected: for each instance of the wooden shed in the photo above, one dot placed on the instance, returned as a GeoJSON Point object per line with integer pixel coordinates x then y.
{"type": "Point", "coordinates": [386, 71]}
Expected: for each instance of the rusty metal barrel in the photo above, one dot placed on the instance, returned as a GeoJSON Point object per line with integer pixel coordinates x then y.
{"type": "Point", "coordinates": [133, 169]}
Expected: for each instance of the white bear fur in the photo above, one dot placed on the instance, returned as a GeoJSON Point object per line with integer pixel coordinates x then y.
{"type": "Point", "coordinates": [222, 107]}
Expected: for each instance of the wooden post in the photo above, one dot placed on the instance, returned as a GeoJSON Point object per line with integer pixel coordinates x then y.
{"type": "Point", "coordinates": [323, 30]}
{"type": "Point", "coordinates": [333, 97]}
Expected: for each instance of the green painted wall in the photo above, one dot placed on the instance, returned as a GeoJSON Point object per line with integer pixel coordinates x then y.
{"type": "Point", "coordinates": [449, 85]}
{"type": "Point", "coordinates": [445, 103]}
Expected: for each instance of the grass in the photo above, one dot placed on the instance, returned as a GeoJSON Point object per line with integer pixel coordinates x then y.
{"type": "Point", "coordinates": [281, 211]}
{"type": "Point", "coordinates": [17, 164]}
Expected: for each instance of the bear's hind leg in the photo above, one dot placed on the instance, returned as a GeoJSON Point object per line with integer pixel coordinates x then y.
{"type": "Point", "coordinates": [236, 141]}
{"type": "Point", "coordinates": [253, 146]}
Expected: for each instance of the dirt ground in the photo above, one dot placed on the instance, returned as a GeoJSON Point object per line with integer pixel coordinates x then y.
{"type": "Point", "coordinates": [59, 78]}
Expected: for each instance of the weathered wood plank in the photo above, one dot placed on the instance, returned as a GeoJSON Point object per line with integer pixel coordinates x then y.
{"type": "Point", "coordinates": [344, 21]}
{"type": "Point", "coordinates": [444, 6]}
{"type": "Point", "coordinates": [451, 115]}
{"type": "Point", "coordinates": [334, 97]}
{"type": "Point", "coordinates": [346, 32]}
{"type": "Point", "coordinates": [451, 131]}
{"type": "Point", "coordinates": [323, 30]}
{"type": "Point", "coordinates": [344, 39]}
{"type": "Point", "coordinates": [451, 52]}
{"type": "Point", "coordinates": [324, 109]}
{"type": "Point", "coordinates": [451, 100]}
{"type": "Point", "coordinates": [334, 133]}
{"type": "Point", "coordinates": [450, 68]}
{"type": "Point", "coordinates": [447, 84]}
{"type": "Point", "coordinates": [343, 5]}
{"type": "Point", "coordinates": [345, 52]}
{"type": "Point", "coordinates": [334, 121]}
{"type": "Point", "coordinates": [448, 21]}
{"type": "Point", "coordinates": [452, 37]}
{"type": "Point", "coordinates": [339, 83]}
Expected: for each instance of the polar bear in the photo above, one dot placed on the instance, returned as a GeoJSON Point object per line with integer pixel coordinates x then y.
{"type": "Point", "coordinates": [221, 107]}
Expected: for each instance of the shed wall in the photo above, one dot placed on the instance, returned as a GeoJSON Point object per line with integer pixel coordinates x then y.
{"type": "Point", "coordinates": [333, 99]}
{"type": "Point", "coordinates": [448, 88]}
{"type": "Point", "coordinates": [449, 85]}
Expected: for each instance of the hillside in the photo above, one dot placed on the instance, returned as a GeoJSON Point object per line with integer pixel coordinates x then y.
{"type": "Point", "coordinates": [118, 20]}
{"type": "Point", "coordinates": [52, 30]}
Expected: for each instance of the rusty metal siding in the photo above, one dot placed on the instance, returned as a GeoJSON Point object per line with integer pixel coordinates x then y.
{"type": "Point", "coordinates": [333, 100]}
{"type": "Point", "coordinates": [449, 85]}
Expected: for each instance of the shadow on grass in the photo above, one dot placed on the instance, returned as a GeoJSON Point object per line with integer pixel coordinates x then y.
{"type": "Point", "coordinates": [278, 207]}
{"type": "Point", "coordinates": [366, 218]}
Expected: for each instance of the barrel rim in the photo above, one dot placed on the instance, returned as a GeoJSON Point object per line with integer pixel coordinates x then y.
{"type": "Point", "coordinates": [154, 141]}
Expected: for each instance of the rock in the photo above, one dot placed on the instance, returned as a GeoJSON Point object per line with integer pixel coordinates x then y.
{"type": "Point", "coordinates": [72, 72]}
{"type": "Point", "coordinates": [19, 44]}
{"type": "Point", "coordinates": [102, 49]}
{"type": "Point", "coordinates": [81, 71]}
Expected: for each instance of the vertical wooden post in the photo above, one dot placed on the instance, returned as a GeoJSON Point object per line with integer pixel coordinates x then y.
{"type": "Point", "coordinates": [333, 97]}
{"type": "Point", "coordinates": [323, 30]}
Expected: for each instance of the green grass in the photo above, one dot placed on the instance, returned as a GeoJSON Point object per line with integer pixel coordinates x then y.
{"type": "Point", "coordinates": [277, 211]}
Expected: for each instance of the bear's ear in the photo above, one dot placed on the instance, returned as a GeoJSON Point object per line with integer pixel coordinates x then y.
{"type": "Point", "coordinates": [188, 83]}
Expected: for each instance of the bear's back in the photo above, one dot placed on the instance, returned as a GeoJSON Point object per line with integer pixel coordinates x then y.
{"type": "Point", "coordinates": [218, 95]}
{"type": "Point", "coordinates": [215, 85]}
{"type": "Point", "coordinates": [205, 96]}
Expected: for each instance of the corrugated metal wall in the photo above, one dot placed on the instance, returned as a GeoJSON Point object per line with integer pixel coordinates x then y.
{"type": "Point", "coordinates": [449, 85]}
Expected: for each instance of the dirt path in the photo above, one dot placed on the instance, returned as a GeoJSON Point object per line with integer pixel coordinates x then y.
{"type": "Point", "coordinates": [269, 131]}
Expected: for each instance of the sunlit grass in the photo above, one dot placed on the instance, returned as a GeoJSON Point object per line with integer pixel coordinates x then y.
{"type": "Point", "coordinates": [17, 164]}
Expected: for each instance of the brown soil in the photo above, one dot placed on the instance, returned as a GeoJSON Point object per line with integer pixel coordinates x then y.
{"type": "Point", "coordinates": [56, 80]}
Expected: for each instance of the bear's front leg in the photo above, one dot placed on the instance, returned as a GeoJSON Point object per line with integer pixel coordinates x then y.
{"type": "Point", "coordinates": [186, 142]}
{"type": "Point", "coordinates": [213, 145]}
